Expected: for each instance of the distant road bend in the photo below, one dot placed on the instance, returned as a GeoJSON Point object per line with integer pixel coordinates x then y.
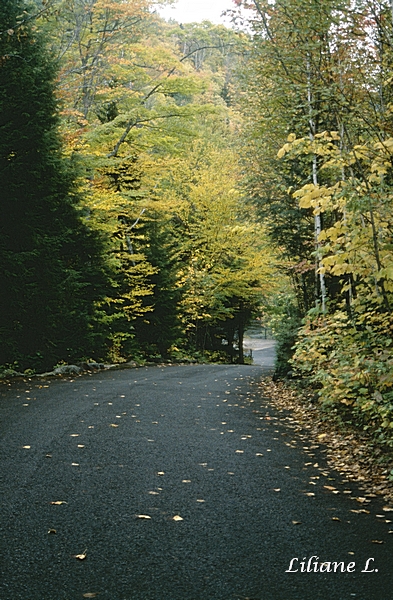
{"type": "Point", "coordinates": [174, 483]}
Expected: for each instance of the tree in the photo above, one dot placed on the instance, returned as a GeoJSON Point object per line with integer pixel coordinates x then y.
{"type": "Point", "coordinates": [52, 272]}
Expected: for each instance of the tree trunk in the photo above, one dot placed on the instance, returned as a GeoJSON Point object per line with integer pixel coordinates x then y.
{"type": "Point", "coordinates": [241, 338]}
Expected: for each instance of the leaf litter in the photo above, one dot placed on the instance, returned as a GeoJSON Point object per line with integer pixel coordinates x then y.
{"type": "Point", "coordinates": [348, 452]}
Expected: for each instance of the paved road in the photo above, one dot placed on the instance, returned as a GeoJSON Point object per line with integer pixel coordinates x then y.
{"type": "Point", "coordinates": [191, 441]}
{"type": "Point", "coordinates": [263, 351]}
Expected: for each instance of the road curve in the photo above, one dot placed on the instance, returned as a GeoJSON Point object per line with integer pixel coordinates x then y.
{"type": "Point", "coordinates": [82, 460]}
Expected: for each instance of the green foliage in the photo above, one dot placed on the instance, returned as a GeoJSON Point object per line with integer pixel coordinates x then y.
{"type": "Point", "coordinates": [320, 174]}
{"type": "Point", "coordinates": [350, 359]}
{"type": "Point", "coordinates": [128, 236]}
{"type": "Point", "coordinates": [53, 274]}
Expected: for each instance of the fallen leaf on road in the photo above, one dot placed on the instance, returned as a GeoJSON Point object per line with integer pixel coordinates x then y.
{"type": "Point", "coordinates": [361, 510]}
{"type": "Point", "coordinates": [80, 556]}
{"type": "Point", "coordinates": [26, 447]}
{"type": "Point", "coordinates": [74, 435]}
{"type": "Point", "coordinates": [296, 522]}
{"type": "Point", "coordinates": [239, 451]}
{"type": "Point", "coordinates": [377, 541]}
{"type": "Point", "coordinates": [310, 494]}
{"type": "Point", "coordinates": [276, 489]}
{"type": "Point", "coordinates": [113, 425]}
{"type": "Point", "coordinates": [323, 435]}
{"type": "Point", "coordinates": [143, 517]}
{"type": "Point", "coordinates": [387, 509]}
{"type": "Point", "coordinates": [259, 454]}
{"type": "Point", "coordinates": [75, 465]}
{"type": "Point", "coordinates": [200, 500]}
{"type": "Point", "coordinates": [177, 518]}
{"type": "Point", "coordinates": [161, 473]}
{"type": "Point", "coordinates": [52, 531]}
{"type": "Point", "coordinates": [90, 595]}
{"type": "Point", "coordinates": [154, 493]}
{"type": "Point", "coordinates": [58, 502]}
{"type": "Point", "coordinates": [329, 487]}
{"type": "Point", "coordinates": [335, 519]}
{"type": "Point", "coordinates": [186, 480]}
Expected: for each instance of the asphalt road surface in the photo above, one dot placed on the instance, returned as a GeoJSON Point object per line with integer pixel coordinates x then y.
{"type": "Point", "coordinates": [82, 460]}
{"type": "Point", "coordinates": [263, 351]}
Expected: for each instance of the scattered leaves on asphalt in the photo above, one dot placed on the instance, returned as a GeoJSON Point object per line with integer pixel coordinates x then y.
{"type": "Point", "coordinates": [347, 452]}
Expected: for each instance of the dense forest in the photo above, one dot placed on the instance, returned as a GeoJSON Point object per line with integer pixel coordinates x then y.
{"type": "Point", "coordinates": [165, 183]}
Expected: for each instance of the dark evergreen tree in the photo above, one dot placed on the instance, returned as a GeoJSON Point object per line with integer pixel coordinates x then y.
{"type": "Point", "coordinates": [51, 271]}
{"type": "Point", "coordinates": [161, 328]}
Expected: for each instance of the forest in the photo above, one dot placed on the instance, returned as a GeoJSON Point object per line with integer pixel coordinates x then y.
{"type": "Point", "coordinates": [163, 184]}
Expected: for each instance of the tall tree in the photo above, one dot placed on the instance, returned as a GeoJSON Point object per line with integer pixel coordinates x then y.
{"type": "Point", "coordinates": [51, 273]}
